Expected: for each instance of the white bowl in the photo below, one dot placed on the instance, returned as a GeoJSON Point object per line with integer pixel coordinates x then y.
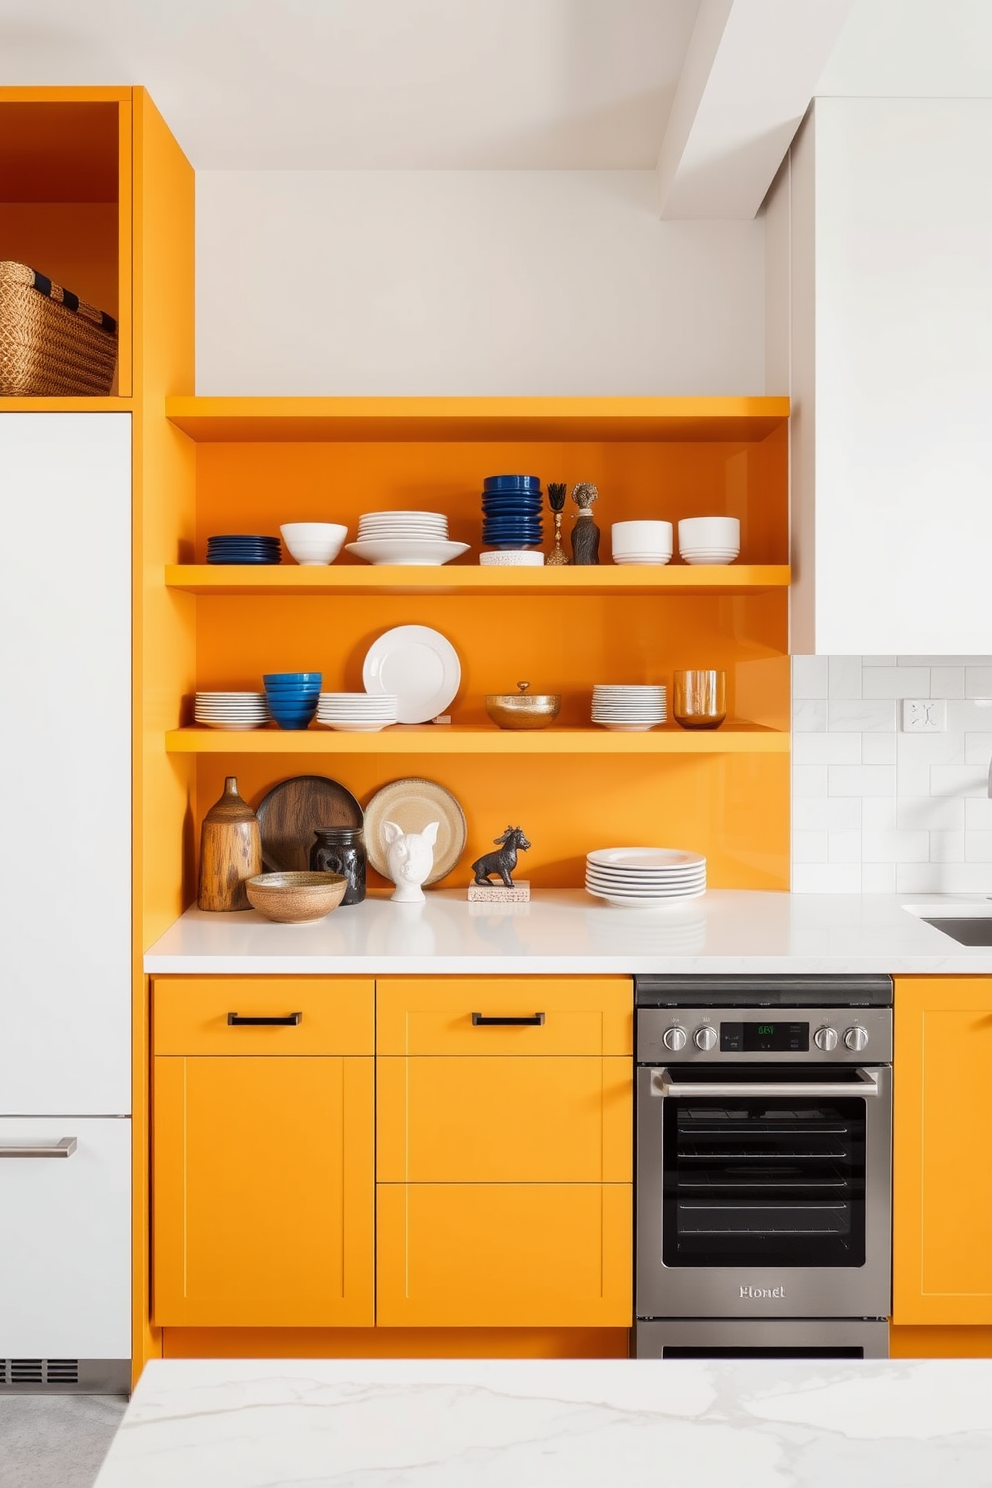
{"type": "Point", "coordinates": [709, 557]}
{"type": "Point", "coordinates": [313, 543]}
{"type": "Point", "coordinates": [709, 532]}
{"type": "Point", "coordinates": [641, 535]}
{"type": "Point", "coordinates": [511, 558]}
{"type": "Point", "coordinates": [656, 558]}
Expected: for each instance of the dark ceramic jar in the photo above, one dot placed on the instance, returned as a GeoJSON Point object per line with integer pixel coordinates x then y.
{"type": "Point", "coordinates": [341, 850]}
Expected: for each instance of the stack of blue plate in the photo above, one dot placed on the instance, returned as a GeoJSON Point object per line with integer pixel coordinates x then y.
{"type": "Point", "coordinates": [243, 548]}
{"type": "Point", "coordinates": [511, 508]}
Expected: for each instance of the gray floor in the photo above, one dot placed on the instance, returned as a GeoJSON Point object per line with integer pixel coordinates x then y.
{"type": "Point", "coordinates": [56, 1441]}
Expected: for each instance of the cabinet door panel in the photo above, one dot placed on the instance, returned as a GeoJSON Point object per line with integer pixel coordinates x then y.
{"type": "Point", "coordinates": [503, 1120]}
{"type": "Point", "coordinates": [263, 1183]}
{"type": "Point", "coordinates": [503, 1255]}
{"type": "Point", "coordinates": [942, 1239]}
{"type": "Point", "coordinates": [65, 611]}
{"type": "Point", "coordinates": [433, 1015]}
{"type": "Point", "coordinates": [189, 1015]}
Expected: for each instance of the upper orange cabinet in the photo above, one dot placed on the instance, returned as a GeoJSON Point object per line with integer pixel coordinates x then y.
{"type": "Point", "coordinates": [942, 1241]}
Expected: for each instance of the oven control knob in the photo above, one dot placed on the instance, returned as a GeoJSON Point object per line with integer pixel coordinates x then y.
{"type": "Point", "coordinates": [674, 1039]}
{"type": "Point", "coordinates": [826, 1039]}
{"type": "Point", "coordinates": [704, 1038]}
{"type": "Point", "coordinates": [856, 1038]}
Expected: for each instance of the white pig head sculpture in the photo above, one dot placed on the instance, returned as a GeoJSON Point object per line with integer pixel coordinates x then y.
{"type": "Point", "coordinates": [409, 858]}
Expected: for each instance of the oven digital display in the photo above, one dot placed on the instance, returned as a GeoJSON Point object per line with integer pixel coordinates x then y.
{"type": "Point", "coordinates": [764, 1037]}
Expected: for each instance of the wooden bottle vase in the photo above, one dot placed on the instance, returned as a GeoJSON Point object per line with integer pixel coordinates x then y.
{"type": "Point", "coordinates": [230, 851]}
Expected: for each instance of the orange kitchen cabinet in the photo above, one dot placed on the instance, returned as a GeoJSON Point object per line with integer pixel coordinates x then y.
{"type": "Point", "coordinates": [942, 1157]}
{"type": "Point", "coordinates": [263, 1185]}
{"type": "Point", "coordinates": [503, 1255]}
{"type": "Point", "coordinates": [511, 1119]}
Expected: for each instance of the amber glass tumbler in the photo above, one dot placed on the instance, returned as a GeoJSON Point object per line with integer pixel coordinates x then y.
{"type": "Point", "coordinates": [700, 700]}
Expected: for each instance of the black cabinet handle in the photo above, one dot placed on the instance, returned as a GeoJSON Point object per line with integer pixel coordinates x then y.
{"type": "Point", "coordinates": [288, 1020]}
{"type": "Point", "coordinates": [479, 1021]}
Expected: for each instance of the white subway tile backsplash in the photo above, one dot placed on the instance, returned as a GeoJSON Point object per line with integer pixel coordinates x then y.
{"type": "Point", "coordinates": [947, 681]}
{"type": "Point", "coordinates": [876, 810]}
{"type": "Point", "coordinates": [826, 878]}
{"type": "Point", "coordinates": [861, 780]}
{"type": "Point", "coordinates": [947, 847]}
{"type": "Point", "coordinates": [978, 681]}
{"type": "Point", "coordinates": [868, 716]}
{"type": "Point", "coordinates": [895, 682]}
{"type": "Point", "coordinates": [809, 676]}
{"type": "Point", "coordinates": [878, 749]}
{"type": "Point", "coordinates": [978, 847]}
{"type": "Point", "coordinates": [843, 847]}
{"type": "Point", "coordinates": [809, 715]}
{"type": "Point", "coordinates": [809, 847]}
{"type": "Point", "coordinates": [844, 677]}
{"type": "Point", "coordinates": [958, 780]}
{"type": "Point", "coordinates": [895, 847]}
{"type": "Point", "coordinates": [827, 814]}
{"type": "Point", "coordinates": [827, 749]}
{"type": "Point", "coordinates": [930, 813]}
{"type": "Point", "coordinates": [809, 781]}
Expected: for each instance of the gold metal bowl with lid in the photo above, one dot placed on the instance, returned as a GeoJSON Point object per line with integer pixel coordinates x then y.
{"type": "Point", "coordinates": [523, 709]}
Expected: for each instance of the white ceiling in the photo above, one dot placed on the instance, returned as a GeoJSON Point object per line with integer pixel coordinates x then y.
{"type": "Point", "coordinates": [375, 84]}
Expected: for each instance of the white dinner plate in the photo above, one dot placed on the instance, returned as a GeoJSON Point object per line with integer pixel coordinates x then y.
{"type": "Point", "coordinates": [648, 880]}
{"type": "Point", "coordinates": [416, 552]}
{"type": "Point", "coordinates": [419, 665]}
{"type": "Point", "coordinates": [645, 857]}
{"type": "Point", "coordinates": [633, 903]}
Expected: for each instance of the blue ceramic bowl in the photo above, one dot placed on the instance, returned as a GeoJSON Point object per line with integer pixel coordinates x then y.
{"type": "Point", "coordinates": [295, 693]}
{"type": "Point", "coordinates": [512, 483]}
{"type": "Point", "coordinates": [280, 681]}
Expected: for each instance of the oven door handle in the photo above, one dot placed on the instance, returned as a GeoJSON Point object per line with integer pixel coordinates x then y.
{"type": "Point", "coordinates": [663, 1084]}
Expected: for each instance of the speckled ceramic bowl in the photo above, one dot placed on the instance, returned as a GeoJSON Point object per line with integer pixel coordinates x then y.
{"type": "Point", "coordinates": [296, 898]}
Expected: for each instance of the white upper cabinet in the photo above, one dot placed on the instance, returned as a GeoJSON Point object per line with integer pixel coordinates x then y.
{"type": "Point", "coordinates": [65, 867]}
{"type": "Point", "coordinates": [879, 254]}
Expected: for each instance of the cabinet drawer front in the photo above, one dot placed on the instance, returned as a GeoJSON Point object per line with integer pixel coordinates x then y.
{"type": "Point", "coordinates": [504, 1120]}
{"type": "Point", "coordinates": [190, 1015]}
{"type": "Point", "coordinates": [570, 1015]}
{"type": "Point", "coordinates": [504, 1255]}
{"type": "Point", "coordinates": [263, 1174]}
{"type": "Point", "coordinates": [65, 1241]}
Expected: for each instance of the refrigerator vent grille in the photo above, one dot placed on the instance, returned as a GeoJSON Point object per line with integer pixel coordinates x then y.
{"type": "Point", "coordinates": [39, 1372]}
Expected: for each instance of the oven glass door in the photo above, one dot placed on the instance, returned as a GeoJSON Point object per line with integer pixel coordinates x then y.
{"type": "Point", "coordinates": [764, 1179]}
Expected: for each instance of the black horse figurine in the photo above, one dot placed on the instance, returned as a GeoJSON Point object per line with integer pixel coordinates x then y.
{"type": "Point", "coordinates": [504, 861]}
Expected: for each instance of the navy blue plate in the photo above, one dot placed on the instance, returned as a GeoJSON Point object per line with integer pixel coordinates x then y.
{"type": "Point", "coordinates": [512, 483]}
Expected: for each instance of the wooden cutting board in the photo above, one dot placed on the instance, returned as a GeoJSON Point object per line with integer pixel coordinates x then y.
{"type": "Point", "coordinates": [293, 810]}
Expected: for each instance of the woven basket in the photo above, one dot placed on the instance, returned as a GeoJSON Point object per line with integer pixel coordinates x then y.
{"type": "Point", "coordinates": [52, 344]}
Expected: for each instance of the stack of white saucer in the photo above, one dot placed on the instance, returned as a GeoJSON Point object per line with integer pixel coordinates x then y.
{"type": "Point", "coordinates": [357, 712]}
{"type": "Point", "coordinates": [645, 877]}
{"type": "Point", "coordinates": [628, 709]}
{"type": "Point", "coordinates": [231, 710]}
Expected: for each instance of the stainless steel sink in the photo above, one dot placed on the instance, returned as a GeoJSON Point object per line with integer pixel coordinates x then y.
{"type": "Point", "coordinates": [969, 930]}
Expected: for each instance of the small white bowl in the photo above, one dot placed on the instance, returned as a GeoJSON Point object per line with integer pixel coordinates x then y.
{"type": "Point", "coordinates": [511, 558]}
{"type": "Point", "coordinates": [313, 543]}
{"type": "Point", "coordinates": [641, 535]}
{"type": "Point", "coordinates": [659, 559]}
{"type": "Point", "coordinates": [709, 533]}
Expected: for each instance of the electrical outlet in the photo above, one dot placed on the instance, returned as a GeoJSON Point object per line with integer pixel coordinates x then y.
{"type": "Point", "coordinates": [924, 715]}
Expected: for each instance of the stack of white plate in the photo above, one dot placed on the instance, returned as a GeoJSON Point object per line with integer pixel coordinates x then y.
{"type": "Point", "coordinates": [413, 537]}
{"type": "Point", "coordinates": [357, 712]}
{"type": "Point", "coordinates": [231, 710]}
{"type": "Point", "coordinates": [644, 877]}
{"type": "Point", "coordinates": [628, 709]}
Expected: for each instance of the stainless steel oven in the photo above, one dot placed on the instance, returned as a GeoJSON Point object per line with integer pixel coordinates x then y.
{"type": "Point", "coordinates": [764, 1167]}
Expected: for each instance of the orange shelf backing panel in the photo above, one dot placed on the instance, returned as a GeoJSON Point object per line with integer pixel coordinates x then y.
{"type": "Point", "coordinates": [732, 807]}
{"type": "Point", "coordinates": [294, 420]}
{"type": "Point", "coordinates": [61, 150]}
{"type": "Point", "coordinates": [287, 580]}
{"type": "Point", "coordinates": [395, 1343]}
{"type": "Point", "coordinates": [256, 487]}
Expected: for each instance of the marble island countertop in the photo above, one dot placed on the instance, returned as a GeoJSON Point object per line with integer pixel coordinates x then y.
{"type": "Point", "coordinates": [575, 1423]}
{"type": "Point", "coordinates": [567, 932]}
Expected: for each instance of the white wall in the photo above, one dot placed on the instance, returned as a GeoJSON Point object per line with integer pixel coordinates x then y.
{"type": "Point", "coordinates": [482, 282]}
{"type": "Point", "coordinates": [876, 810]}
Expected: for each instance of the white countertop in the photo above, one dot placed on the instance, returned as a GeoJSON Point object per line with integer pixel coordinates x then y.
{"type": "Point", "coordinates": [583, 1423]}
{"type": "Point", "coordinates": [566, 931]}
